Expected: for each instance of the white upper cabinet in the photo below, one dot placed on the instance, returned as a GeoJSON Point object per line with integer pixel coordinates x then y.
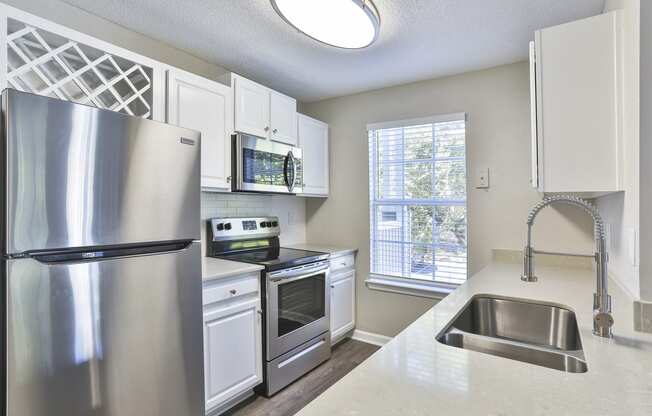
{"type": "Point", "coordinates": [263, 112]}
{"type": "Point", "coordinates": [313, 139]}
{"type": "Point", "coordinates": [576, 81]}
{"type": "Point", "coordinates": [207, 106]}
{"type": "Point", "coordinates": [283, 118]}
{"type": "Point", "coordinates": [252, 107]}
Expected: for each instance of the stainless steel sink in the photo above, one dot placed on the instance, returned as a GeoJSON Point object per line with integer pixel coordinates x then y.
{"type": "Point", "coordinates": [535, 333]}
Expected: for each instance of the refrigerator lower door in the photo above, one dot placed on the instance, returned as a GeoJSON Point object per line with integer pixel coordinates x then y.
{"type": "Point", "coordinates": [116, 337]}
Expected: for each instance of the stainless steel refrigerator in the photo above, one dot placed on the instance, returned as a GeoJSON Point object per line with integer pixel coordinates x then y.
{"type": "Point", "coordinates": [101, 265]}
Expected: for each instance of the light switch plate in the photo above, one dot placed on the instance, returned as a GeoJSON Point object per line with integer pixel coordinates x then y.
{"type": "Point", "coordinates": [482, 178]}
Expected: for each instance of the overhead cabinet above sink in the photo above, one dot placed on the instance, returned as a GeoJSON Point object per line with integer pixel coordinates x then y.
{"type": "Point", "coordinates": [576, 84]}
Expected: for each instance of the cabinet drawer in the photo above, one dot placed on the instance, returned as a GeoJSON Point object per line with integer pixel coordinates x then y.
{"type": "Point", "coordinates": [343, 262]}
{"type": "Point", "coordinates": [231, 288]}
{"type": "Point", "coordinates": [342, 274]}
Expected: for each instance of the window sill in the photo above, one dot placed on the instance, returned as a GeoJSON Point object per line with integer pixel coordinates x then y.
{"type": "Point", "coordinates": [409, 287]}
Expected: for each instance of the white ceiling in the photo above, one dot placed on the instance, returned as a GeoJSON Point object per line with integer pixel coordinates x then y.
{"type": "Point", "coordinates": [419, 39]}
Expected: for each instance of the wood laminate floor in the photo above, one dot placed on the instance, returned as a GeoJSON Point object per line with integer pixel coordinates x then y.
{"type": "Point", "coordinates": [346, 356]}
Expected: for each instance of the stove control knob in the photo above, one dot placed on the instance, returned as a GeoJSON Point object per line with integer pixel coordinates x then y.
{"type": "Point", "coordinates": [220, 227]}
{"type": "Point", "coordinates": [227, 226]}
{"type": "Point", "coordinates": [263, 224]}
{"type": "Point", "coordinates": [269, 223]}
{"type": "Point", "coordinates": [275, 224]}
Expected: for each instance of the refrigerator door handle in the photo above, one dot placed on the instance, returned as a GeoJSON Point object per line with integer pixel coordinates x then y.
{"type": "Point", "coordinates": [100, 253]}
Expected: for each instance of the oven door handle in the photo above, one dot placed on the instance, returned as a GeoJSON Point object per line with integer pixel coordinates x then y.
{"type": "Point", "coordinates": [294, 275]}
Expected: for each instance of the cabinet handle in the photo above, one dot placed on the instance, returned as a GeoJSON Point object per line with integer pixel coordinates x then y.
{"type": "Point", "coordinates": [228, 179]}
{"type": "Point", "coordinates": [259, 312]}
{"type": "Point", "coordinates": [332, 286]}
{"type": "Point", "coordinates": [233, 291]}
{"type": "Point", "coordinates": [343, 264]}
{"type": "Point", "coordinates": [275, 131]}
{"type": "Point", "coordinates": [266, 128]}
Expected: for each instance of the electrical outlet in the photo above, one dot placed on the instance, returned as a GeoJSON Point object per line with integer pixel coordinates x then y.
{"type": "Point", "coordinates": [482, 179]}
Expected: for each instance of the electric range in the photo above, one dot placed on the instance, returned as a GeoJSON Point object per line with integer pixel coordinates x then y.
{"type": "Point", "coordinates": [295, 291]}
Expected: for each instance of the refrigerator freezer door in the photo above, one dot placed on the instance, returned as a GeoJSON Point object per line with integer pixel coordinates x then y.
{"type": "Point", "coordinates": [107, 338]}
{"type": "Point", "coordinates": [79, 176]}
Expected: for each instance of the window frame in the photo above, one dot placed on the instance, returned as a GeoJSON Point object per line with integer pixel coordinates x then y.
{"type": "Point", "coordinates": [406, 285]}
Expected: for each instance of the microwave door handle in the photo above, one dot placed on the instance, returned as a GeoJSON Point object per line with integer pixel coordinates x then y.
{"type": "Point", "coordinates": [294, 171]}
{"type": "Point", "coordinates": [290, 158]}
{"type": "Point", "coordinates": [285, 170]}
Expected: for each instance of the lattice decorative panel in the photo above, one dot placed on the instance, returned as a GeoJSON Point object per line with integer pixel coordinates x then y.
{"type": "Point", "coordinates": [45, 63]}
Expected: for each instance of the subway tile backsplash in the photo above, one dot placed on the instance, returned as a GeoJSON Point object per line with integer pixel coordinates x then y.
{"type": "Point", "coordinates": [289, 209]}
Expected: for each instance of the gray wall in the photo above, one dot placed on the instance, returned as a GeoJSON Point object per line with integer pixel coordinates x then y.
{"type": "Point", "coordinates": [498, 137]}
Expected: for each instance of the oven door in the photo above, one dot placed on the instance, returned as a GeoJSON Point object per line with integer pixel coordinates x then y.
{"type": "Point", "coordinates": [265, 166]}
{"type": "Point", "coordinates": [298, 307]}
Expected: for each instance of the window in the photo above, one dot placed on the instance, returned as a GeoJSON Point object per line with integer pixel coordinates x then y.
{"type": "Point", "coordinates": [417, 171]}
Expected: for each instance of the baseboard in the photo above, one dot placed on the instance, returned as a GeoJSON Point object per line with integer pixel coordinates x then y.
{"type": "Point", "coordinates": [370, 338]}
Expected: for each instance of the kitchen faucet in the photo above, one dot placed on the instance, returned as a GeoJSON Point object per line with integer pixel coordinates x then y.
{"type": "Point", "coordinates": [602, 319]}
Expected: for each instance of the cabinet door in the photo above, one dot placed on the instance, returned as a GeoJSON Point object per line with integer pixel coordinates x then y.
{"type": "Point", "coordinates": [207, 106]}
{"type": "Point", "coordinates": [579, 104]}
{"type": "Point", "coordinates": [283, 118]}
{"type": "Point", "coordinates": [342, 304]}
{"type": "Point", "coordinates": [232, 352]}
{"type": "Point", "coordinates": [252, 103]}
{"type": "Point", "coordinates": [313, 139]}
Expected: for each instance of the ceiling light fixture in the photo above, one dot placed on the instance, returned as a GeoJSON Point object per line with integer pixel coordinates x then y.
{"type": "Point", "coordinates": [349, 24]}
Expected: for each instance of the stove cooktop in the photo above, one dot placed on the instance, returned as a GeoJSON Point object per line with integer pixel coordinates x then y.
{"type": "Point", "coordinates": [276, 258]}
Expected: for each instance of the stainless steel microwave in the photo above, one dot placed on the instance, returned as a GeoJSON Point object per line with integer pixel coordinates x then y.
{"type": "Point", "coordinates": [261, 165]}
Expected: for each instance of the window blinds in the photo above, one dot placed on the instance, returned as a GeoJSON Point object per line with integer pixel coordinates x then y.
{"type": "Point", "coordinates": [417, 195]}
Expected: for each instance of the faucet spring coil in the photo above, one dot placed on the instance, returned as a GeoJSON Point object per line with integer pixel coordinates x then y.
{"type": "Point", "coordinates": [575, 201]}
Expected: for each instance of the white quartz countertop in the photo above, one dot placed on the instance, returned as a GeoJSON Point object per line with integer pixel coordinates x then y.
{"type": "Point", "coordinates": [333, 251]}
{"type": "Point", "coordinates": [212, 268]}
{"type": "Point", "coordinates": [415, 375]}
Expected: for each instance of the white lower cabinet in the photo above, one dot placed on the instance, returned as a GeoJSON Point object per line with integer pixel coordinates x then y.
{"type": "Point", "coordinates": [232, 341]}
{"type": "Point", "coordinates": [342, 298]}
